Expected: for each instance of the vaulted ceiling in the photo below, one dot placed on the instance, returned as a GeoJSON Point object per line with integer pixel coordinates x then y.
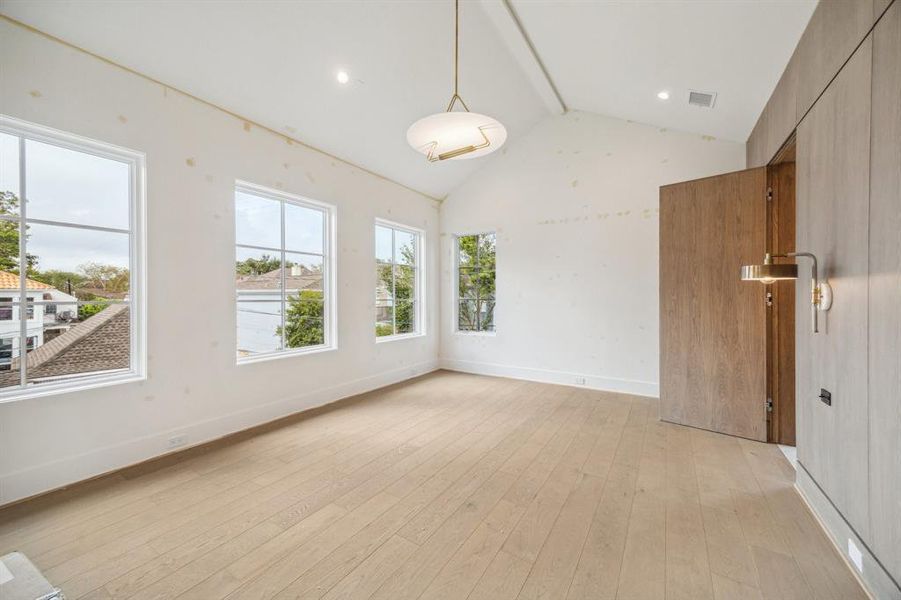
{"type": "Point", "coordinates": [276, 62]}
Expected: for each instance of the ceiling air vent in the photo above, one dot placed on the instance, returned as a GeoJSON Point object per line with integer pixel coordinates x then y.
{"type": "Point", "coordinates": [702, 99]}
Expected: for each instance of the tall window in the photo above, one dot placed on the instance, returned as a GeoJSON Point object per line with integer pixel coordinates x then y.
{"type": "Point", "coordinates": [282, 273]}
{"type": "Point", "coordinates": [398, 287]}
{"type": "Point", "coordinates": [476, 256]}
{"type": "Point", "coordinates": [71, 213]}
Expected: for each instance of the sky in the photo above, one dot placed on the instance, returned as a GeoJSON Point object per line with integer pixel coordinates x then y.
{"type": "Point", "coordinates": [258, 223]}
{"type": "Point", "coordinates": [75, 188]}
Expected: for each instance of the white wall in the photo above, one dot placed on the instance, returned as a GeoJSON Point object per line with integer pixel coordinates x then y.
{"type": "Point", "coordinates": [574, 204]}
{"type": "Point", "coordinates": [194, 385]}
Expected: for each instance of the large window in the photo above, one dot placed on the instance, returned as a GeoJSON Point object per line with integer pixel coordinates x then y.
{"type": "Point", "coordinates": [282, 273]}
{"type": "Point", "coordinates": [398, 287]}
{"type": "Point", "coordinates": [71, 223]}
{"type": "Point", "coordinates": [476, 257]}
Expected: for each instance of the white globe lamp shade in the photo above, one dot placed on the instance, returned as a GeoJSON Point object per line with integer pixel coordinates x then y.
{"type": "Point", "coordinates": [456, 135]}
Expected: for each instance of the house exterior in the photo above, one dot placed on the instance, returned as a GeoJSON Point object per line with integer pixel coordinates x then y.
{"type": "Point", "coordinates": [45, 321]}
{"type": "Point", "coordinates": [259, 299]}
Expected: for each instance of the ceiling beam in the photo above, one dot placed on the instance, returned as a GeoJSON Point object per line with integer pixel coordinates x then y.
{"type": "Point", "coordinates": [506, 21]}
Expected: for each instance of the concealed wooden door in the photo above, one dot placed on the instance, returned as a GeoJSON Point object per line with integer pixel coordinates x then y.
{"type": "Point", "coordinates": [712, 324]}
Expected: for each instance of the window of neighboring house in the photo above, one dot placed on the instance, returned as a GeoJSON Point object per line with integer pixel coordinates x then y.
{"type": "Point", "coordinates": [79, 241]}
{"type": "Point", "coordinates": [283, 273]}
{"type": "Point", "coordinates": [6, 353]}
{"type": "Point", "coordinates": [398, 288]}
{"type": "Point", "coordinates": [475, 282]}
{"type": "Point", "coordinates": [50, 307]}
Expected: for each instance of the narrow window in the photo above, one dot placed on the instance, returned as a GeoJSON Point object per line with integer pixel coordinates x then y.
{"type": "Point", "coordinates": [70, 261]}
{"type": "Point", "coordinates": [398, 288]}
{"type": "Point", "coordinates": [282, 273]}
{"type": "Point", "coordinates": [475, 282]}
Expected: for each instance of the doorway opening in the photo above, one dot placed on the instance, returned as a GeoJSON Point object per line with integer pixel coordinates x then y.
{"type": "Point", "coordinates": [780, 313]}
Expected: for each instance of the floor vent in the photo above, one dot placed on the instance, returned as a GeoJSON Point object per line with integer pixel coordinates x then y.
{"type": "Point", "coordinates": [702, 99]}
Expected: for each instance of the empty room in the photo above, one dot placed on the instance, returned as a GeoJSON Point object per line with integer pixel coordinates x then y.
{"type": "Point", "coordinates": [450, 299]}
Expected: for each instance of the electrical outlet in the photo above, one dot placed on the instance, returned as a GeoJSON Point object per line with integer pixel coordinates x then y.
{"type": "Point", "coordinates": [855, 555]}
{"type": "Point", "coordinates": [178, 440]}
{"type": "Point", "coordinates": [580, 381]}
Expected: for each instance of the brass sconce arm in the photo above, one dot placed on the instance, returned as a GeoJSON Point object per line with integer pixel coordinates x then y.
{"type": "Point", "coordinates": [817, 293]}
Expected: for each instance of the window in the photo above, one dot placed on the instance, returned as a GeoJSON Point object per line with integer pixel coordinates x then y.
{"type": "Point", "coordinates": [398, 287]}
{"type": "Point", "coordinates": [74, 248]}
{"type": "Point", "coordinates": [283, 273]}
{"type": "Point", "coordinates": [475, 282]}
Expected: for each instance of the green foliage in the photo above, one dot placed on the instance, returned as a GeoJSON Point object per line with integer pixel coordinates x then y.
{"type": "Point", "coordinates": [476, 284]}
{"type": "Point", "coordinates": [9, 236]}
{"type": "Point", "coordinates": [257, 266]}
{"type": "Point", "coordinates": [303, 321]}
{"type": "Point", "coordinates": [86, 311]}
{"type": "Point", "coordinates": [64, 281]}
{"type": "Point", "coordinates": [402, 281]}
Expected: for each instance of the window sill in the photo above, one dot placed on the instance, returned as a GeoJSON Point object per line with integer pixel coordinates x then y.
{"type": "Point", "coordinates": [398, 337]}
{"type": "Point", "coordinates": [66, 387]}
{"type": "Point", "coordinates": [257, 358]}
{"type": "Point", "coordinates": [476, 333]}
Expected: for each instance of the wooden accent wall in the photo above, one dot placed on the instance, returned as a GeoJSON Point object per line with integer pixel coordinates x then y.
{"type": "Point", "coordinates": [835, 30]}
{"type": "Point", "coordinates": [885, 293]}
{"type": "Point", "coordinates": [845, 77]}
{"type": "Point", "coordinates": [833, 169]}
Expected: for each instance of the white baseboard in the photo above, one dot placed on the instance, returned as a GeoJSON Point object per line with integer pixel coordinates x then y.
{"type": "Point", "coordinates": [593, 382]}
{"type": "Point", "coordinates": [875, 580]}
{"type": "Point", "coordinates": [61, 473]}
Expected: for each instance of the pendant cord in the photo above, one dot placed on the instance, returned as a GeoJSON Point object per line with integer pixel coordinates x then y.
{"type": "Point", "coordinates": [456, 97]}
{"type": "Point", "coordinates": [456, 44]}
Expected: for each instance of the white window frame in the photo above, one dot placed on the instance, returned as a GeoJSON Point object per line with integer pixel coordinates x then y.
{"type": "Point", "coordinates": [419, 291]}
{"type": "Point", "coordinates": [137, 216]}
{"type": "Point", "coordinates": [455, 313]}
{"type": "Point", "coordinates": [329, 268]}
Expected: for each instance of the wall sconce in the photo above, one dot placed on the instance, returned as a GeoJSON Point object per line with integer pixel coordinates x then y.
{"type": "Point", "coordinates": [821, 294]}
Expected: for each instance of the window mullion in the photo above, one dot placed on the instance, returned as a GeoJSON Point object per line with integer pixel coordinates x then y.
{"type": "Point", "coordinates": [23, 269]}
{"type": "Point", "coordinates": [282, 277]}
{"type": "Point", "coordinates": [393, 282]}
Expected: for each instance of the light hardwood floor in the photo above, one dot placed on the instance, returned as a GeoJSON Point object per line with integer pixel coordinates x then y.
{"type": "Point", "coordinates": [450, 486]}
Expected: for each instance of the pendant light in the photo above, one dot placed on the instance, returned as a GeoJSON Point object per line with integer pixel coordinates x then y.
{"type": "Point", "coordinates": [456, 134]}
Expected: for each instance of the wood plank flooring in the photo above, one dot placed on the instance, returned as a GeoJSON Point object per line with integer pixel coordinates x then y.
{"type": "Point", "coordinates": [450, 486]}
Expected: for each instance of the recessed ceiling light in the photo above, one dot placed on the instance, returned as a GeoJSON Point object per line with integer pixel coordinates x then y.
{"type": "Point", "coordinates": [663, 95]}
{"type": "Point", "coordinates": [343, 77]}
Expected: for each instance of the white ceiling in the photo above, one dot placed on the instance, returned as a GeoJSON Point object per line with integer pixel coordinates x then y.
{"type": "Point", "coordinates": [613, 57]}
{"type": "Point", "coordinates": [274, 62]}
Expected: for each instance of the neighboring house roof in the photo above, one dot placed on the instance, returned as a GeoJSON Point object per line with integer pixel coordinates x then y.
{"type": "Point", "coordinates": [10, 281]}
{"type": "Point", "coordinates": [100, 343]}
{"type": "Point", "coordinates": [296, 278]}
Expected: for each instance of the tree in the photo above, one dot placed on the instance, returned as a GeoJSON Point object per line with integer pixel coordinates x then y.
{"type": "Point", "coordinates": [401, 280]}
{"type": "Point", "coordinates": [64, 281]}
{"type": "Point", "coordinates": [108, 278]}
{"type": "Point", "coordinates": [476, 282]}
{"type": "Point", "coordinates": [303, 320]}
{"type": "Point", "coordinates": [257, 266]}
{"type": "Point", "coordinates": [9, 236]}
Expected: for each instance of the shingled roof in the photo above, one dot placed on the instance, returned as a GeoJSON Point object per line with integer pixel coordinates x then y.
{"type": "Point", "coordinates": [296, 278]}
{"type": "Point", "coordinates": [100, 343]}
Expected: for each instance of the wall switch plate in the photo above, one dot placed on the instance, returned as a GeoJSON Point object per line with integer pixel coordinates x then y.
{"type": "Point", "coordinates": [178, 440]}
{"type": "Point", "coordinates": [855, 555]}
